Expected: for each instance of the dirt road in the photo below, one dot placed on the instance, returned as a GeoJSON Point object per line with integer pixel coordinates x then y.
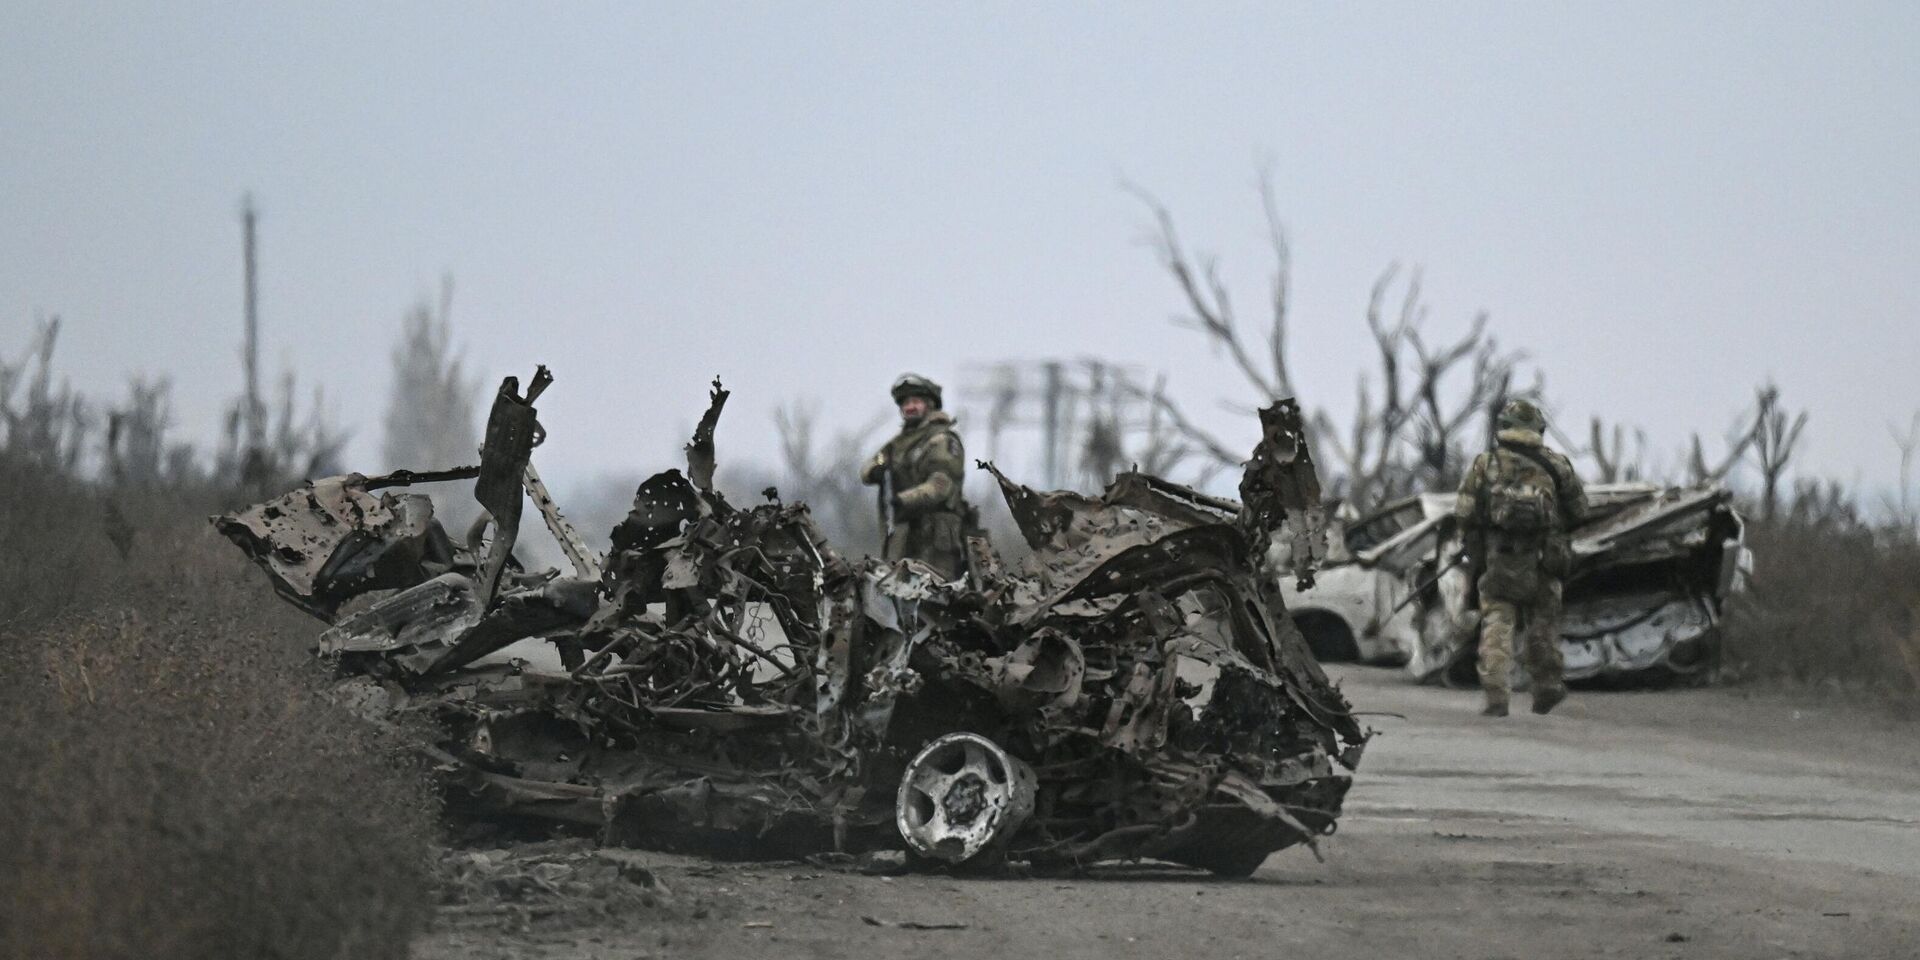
{"type": "Point", "coordinates": [1685, 824]}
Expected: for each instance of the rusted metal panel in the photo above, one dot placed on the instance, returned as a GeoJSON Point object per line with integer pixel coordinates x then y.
{"type": "Point", "coordinates": [333, 539]}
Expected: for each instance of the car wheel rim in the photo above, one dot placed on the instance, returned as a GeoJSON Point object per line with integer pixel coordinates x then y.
{"type": "Point", "coordinates": [962, 796]}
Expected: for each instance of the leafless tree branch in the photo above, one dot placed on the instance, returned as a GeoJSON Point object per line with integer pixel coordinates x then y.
{"type": "Point", "coordinates": [1209, 302]}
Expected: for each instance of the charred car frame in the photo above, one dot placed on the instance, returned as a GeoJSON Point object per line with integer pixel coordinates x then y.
{"type": "Point", "coordinates": [722, 678]}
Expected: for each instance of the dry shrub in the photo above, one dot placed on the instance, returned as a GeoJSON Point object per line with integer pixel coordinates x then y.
{"type": "Point", "coordinates": [1833, 604]}
{"type": "Point", "coordinates": [174, 783]}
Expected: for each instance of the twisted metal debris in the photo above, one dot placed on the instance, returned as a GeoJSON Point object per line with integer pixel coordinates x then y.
{"type": "Point", "coordinates": [727, 681]}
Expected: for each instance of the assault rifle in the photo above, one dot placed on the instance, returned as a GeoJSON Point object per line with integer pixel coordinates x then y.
{"type": "Point", "coordinates": [886, 499]}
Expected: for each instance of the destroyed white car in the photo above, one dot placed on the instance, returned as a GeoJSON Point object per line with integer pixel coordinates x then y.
{"type": "Point", "coordinates": [1653, 569]}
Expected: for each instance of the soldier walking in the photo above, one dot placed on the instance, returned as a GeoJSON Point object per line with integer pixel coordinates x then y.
{"type": "Point", "coordinates": [919, 474]}
{"type": "Point", "coordinates": [1516, 504]}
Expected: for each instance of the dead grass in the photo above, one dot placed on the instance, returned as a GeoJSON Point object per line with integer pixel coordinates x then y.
{"type": "Point", "coordinates": [174, 785]}
{"type": "Point", "coordinates": [1833, 605]}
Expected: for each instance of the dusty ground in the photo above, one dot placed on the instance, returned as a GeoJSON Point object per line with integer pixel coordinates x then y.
{"type": "Point", "coordinates": [1685, 824]}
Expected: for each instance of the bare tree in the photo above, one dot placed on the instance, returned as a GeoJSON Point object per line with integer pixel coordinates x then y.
{"type": "Point", "coordinates": [1775, 433]}
{"type": "Point", "coordinates": [432, 404]}
{"type": "Point", "coordinates": [1908, 444]}
{"type": "Point", "coordinates": [1738, 440]}
{"type": "Point", "coordinates": [1003, 393]}
{"type": "Point", "coordinates": [1210, 312]}
{"type": "Point", "coordinates": [1823, 504]}
{"type": "Point", "coordinates": [50, 426]}
{"type": "Point", "coordinates": [1354, 450]}
{"type": "Point", "coordinates": [1386, 474]}
{"type": "Point", "coordinates": [1613, 460]}
{"type": "Point", "coordinates": [306, 447]}
{"type": "Point", "coordinates": [824, 472]}
{"type": "Point", "coordinates": [297, 446]}
{"type": "Point", "coordinates": [1440, 424]}
{"type": "Point", "coordinates": [1089, 419]}
{"type": "Point", "coordinates": [1210, 306]}
{"type": "Point", "coordinates": [1416, 434]}
{"type": "Point", "coordinates": [136, 442]}
{"type": "Point", "coordinates": [1161, 448]}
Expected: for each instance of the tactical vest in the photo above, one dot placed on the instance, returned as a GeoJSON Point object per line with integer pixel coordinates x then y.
{"type": "Point", "coordinates": [1521, 497]}
{"type": "Point", "coordinates": [1520, 509]}
{"type": "Point", "coordinates": [906, 455]}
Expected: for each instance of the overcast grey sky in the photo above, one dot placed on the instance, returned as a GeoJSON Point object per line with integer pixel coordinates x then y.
{"type": "Point", "coordinates": [1664, 203]}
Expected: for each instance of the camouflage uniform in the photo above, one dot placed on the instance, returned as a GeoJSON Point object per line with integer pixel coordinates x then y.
{"type": "Point", "coordinates": [1520, 575]}
{"type": "Point", "coordinates": [927, 464]}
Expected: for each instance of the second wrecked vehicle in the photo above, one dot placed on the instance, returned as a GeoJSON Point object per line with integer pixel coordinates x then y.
{"type": "Point", "coordinates": [1653, 570]}
{"type": "Point", "coordinates": [725, 679]}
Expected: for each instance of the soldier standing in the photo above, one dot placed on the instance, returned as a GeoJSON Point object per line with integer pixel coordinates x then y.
{"type": "Point", "coordinates": [919, 474]}
{"type": "Point", "coordinates": [1516, 504]}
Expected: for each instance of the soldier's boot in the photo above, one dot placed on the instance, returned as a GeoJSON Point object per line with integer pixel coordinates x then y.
{"type": "Point", "coordinates": [1546, 698]}
{"type": "Point", "coordinates": [1496, 653]}
{"type": "Point", "coordinates": [1545, 660]}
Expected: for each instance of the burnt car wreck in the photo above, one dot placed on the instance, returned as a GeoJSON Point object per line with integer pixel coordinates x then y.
{"type": "Point", "coordinates": [723, 680]}
{"type": "Point", "coordinates": [1654, 568]}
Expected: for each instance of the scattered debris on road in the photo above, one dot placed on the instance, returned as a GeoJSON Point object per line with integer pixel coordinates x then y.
{"type": "Point", "coordinates": [727, 682]}
{"type": "Point", "coordinates": [555, 882]}
{"type": "Point", "coordinates": [913, 924]}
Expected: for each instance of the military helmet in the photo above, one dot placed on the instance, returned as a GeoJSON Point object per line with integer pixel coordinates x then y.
{"type": "Point", "coordinates": [1522, 415]}
{"type": "Point", "coordinates": [915, 385]}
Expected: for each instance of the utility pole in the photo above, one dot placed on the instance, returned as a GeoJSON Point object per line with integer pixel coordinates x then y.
{"type": "Point", "coordinates": [255, 414]}
{"type": "Point", "coordinates": [254, 467]}
{"type": "Point", "coordinates": [1050, 424]}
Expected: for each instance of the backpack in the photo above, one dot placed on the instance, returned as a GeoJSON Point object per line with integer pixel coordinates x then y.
{"type": "Point", "coordinates": [1521, 501]}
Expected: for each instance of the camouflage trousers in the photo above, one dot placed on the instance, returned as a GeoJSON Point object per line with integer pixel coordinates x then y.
{"type": "Point", "coordinates": [937, 540]}
{"type": "Point", "coordinates": [1537, 620]}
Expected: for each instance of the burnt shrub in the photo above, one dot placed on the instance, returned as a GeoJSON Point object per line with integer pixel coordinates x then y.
{"type": "Point", "coordinates": [1834, 603]}
{"type": "Point", "coordinates": [174, 782]}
